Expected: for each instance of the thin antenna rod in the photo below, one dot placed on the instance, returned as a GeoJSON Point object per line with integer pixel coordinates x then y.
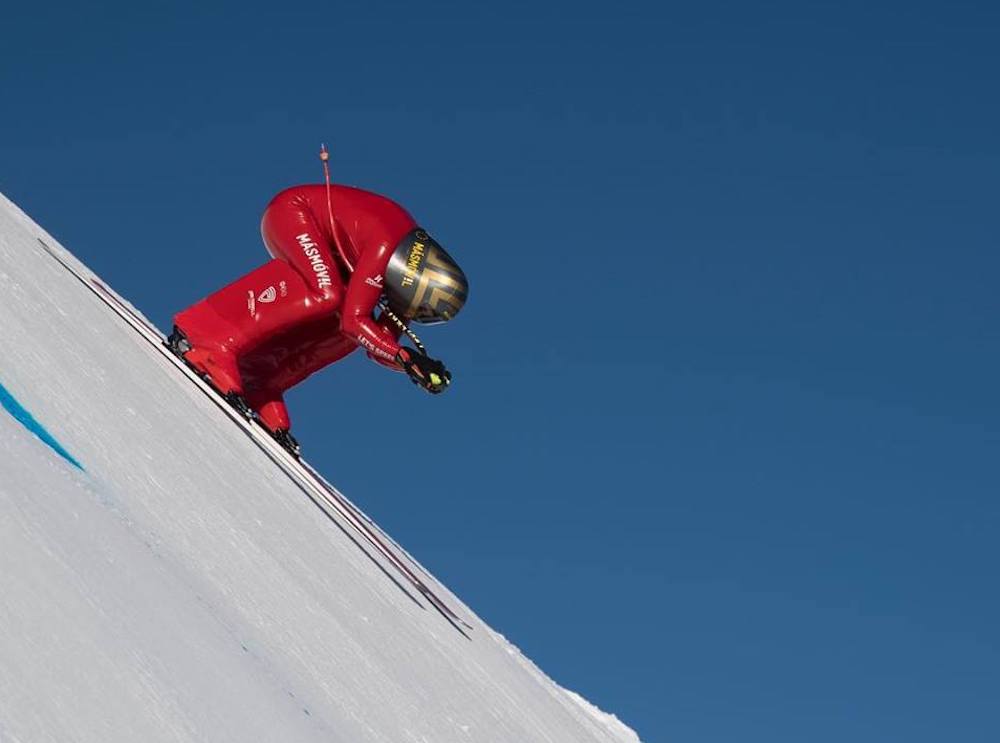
{"type": "Point", "coordinates": [324, 155]}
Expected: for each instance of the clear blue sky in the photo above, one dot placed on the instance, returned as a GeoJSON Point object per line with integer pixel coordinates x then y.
{"type": "Point", "coordinates": [722, 449]}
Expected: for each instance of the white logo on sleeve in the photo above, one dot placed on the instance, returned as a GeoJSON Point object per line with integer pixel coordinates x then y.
{"type": "Point", "coordinates": [376, 282]}
{"type": "Point", "coordinates": [268, 295]}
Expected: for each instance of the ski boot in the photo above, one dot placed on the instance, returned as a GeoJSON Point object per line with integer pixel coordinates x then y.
{"type": "Point", "coordinates": [178, 343]}
{"type": "Point", "coordinates": [180, 346]}
{"type": "Point", "coordinates": [272, 415]}
{"type": "Point", "coordinates": [284, 437]}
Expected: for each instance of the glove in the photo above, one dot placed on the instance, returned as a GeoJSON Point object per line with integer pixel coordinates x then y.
{"type": "Point", "coordinates": [423, 370]}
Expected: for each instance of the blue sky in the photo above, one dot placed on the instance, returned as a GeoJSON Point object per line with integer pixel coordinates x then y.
{"type": "Point", "coordinates": [722, 449]}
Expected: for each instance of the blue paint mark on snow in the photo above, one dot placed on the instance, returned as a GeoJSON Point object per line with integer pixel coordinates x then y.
{"type": "Point", "coordinates": [26, 419]}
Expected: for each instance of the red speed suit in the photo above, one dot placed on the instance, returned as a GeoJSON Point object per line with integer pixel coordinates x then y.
{"type": "Point", "coordinates": [303, 310]}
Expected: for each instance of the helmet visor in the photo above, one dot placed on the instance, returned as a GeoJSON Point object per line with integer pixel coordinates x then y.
{"type": "Point", "coordinates": [423, 282]}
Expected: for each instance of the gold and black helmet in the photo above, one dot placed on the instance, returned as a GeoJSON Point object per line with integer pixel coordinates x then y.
{"type": "Point", "coordinates": [423, 283]}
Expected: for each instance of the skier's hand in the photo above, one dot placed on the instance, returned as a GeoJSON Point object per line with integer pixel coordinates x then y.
{"type": "Point", "coordinates": [423, 370]}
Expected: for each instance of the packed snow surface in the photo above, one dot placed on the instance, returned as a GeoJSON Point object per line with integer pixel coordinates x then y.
{"type": "Point", "coordinates": [181, 588]}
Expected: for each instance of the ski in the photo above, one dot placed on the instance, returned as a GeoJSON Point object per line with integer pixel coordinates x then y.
{"type": "Point", "coordinates": [325, 496]}
{"type": "Point", "coordinates": [334, 493]}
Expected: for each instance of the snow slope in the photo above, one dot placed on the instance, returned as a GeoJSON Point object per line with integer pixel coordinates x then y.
{"type": "Point", "coordinates": [181, 588]}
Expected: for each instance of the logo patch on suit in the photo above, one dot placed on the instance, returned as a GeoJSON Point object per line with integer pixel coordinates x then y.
{"type": "Point", "coordinates": [267, 296]}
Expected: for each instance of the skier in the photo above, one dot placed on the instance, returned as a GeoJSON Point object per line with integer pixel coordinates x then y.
{"type": "Point", "coordinates": [338, 255]}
